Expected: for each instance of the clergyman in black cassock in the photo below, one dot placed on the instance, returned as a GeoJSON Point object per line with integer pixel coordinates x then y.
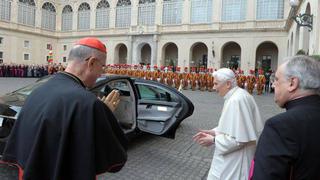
{"type": "Point", "coordinates": [65, 132]}
{"type": "Point", "coordinates": [289, 148]}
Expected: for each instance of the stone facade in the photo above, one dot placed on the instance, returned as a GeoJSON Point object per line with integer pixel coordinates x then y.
{"type": "Point", "coordinates": [248, 43]}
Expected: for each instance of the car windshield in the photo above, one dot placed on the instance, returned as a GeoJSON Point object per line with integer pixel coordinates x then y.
{"type": "Point", "coordinates": [28, 89]}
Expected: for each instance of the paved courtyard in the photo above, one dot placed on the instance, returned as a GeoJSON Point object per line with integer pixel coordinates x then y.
{"type": "Point", "coordinates": [156, 158]}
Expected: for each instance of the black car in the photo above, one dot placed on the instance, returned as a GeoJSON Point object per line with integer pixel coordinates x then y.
{"type": "Point", "coordinates": [145, 105]}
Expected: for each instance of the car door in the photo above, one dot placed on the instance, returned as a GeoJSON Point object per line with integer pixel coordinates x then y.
{"type": "Point", "coordinates": [161, 108]}
{"type": "Point", "coordinates": [126, 110]}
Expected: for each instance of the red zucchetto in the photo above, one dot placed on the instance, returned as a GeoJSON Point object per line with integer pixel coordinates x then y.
{"type": "Point", "coordinates": [93, 43]}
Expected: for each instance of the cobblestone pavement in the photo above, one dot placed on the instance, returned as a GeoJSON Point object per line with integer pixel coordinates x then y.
{"type": "Point", "coordinates": [156, 158]}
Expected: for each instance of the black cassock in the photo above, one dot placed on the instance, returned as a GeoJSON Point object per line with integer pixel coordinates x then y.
{"type": "Point", "coordinates": [65, 132]}
{"type": "Point", "coordinates": [289, 146]}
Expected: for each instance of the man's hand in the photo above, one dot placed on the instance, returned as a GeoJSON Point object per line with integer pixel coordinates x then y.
{"type": "Point", "coordinates": [204, 139]}
{"type": "Point", "coordinates": [112, 100]}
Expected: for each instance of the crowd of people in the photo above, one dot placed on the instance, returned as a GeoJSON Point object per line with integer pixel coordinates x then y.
{"type": "Point", "coordinates": [190, 78]}
{"type": "Point", "coordinates": [34, 71]}
{"type": "Point", "coordinates": [18, 70]}
{"type": "Point", "coordinates": [201, 80]}
{"type": "Point", "coordinates": [66, 132]}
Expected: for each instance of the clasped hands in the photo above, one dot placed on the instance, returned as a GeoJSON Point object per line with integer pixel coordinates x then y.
{"type": "Point", "coordinates": [205, 137]}
{"type": "Point", "coordinates": [112, 100]}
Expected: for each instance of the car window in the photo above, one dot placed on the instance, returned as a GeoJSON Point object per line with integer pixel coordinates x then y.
{"type": "Point", "coordinates": [121, 85]}
{"type": "Point", "coordinates": [147, 92]}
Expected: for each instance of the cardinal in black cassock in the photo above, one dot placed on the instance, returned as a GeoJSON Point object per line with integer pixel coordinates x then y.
{"type": "Point", "coordinates": [65, 132]}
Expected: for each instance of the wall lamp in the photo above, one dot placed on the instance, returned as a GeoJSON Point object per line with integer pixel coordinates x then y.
{"type": "Point", "coordinates": [301, 19]}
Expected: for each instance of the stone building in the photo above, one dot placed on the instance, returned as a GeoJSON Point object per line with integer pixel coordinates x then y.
{"type": "Point", "coordinates": [188, 33]}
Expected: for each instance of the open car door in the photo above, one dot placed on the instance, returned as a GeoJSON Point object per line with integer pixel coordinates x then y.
{"type": "Point", "coordinates": [126, 110]}
{"type": "Point", "coordinates": [161, 108]}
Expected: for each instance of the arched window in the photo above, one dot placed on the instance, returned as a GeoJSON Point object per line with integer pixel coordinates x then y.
{"type": "Point", "coordinates": [270, 9]}
{"type": "Point", "coordinates": [123, 13]}
{"type": "Point", "coordinates": [201, 11]}
{"type": "Point", "coordinates": [84, 16]}
{"type": "Point", "coordinates": [5, 10]}
{"type": "Point", "coordinates": [172, 11]}
{"type": "Point", "coordinates": [26, 12]}
{"type": "Point", "coordinates": [146, 12]}
{"type": "Point", "coordinates": [48, 19]}
{"type": "Point", "coordinates": [102, 14]}
{"type": "Point", "coordinates": [67, 15]}
{"type": "Point", "coordinates": [234, 10]}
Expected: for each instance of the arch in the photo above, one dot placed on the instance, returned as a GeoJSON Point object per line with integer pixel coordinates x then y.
{"type": "Point", "coordinates": [123, 14]}
{"type": "Point", "coordinates": [49, 7]}
{"type": "Point", "coordinates": [66, 18]}
{"type": "Point", "coordinates": [267, 56]}
{"type": "Point", "coordinates": [84, 16]}
{"type": "Point", "coordinates": [84, 7]}
{"type": "Point", "coordinates": [231, 55]}
{"type": "Point", "coordinates": [67, 9]}
{"type": "Point", "coordinates": [48, 16]}
{"type": "Point", "coordinates": [146, 1]}
{"type": "Point", "coordinates": [198, 55]}
{"type": "Point", "coordinates": [121, 54]}
{"type": "Point", "coordinates": [102, 14]}
{"type": "Point", "coordinates": [123, 3]}
{"type": "Point", "coordinates": [103, 4]}
{"type": "Point", "coordinates": [145, 53]}
{"type": "Point", "coordinates": [169, 54]}
{"type": "Point", "coordinates": [28, 2]}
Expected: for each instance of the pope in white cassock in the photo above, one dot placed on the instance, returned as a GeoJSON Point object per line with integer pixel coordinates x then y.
{"type": "Point", "coordinates": [236, 135]}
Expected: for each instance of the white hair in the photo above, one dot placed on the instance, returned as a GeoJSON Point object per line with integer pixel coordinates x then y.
{"type": "Point", "coordinates": [81, 53]}
{"type": "Point", "coordinates": [225, 74]}
{"type": "Point", "coordinates": [306, 69]}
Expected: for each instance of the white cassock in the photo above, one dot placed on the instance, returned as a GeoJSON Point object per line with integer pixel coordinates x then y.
{"type": "Point", "coordinates": [239, 128]}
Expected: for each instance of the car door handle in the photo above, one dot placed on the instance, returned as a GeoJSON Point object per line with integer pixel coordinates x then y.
{"type": "Point", "coordinates": [148, 106]}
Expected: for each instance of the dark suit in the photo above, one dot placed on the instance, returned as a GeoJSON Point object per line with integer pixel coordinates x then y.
{"type": "Point", "coordinates": [289, 145]}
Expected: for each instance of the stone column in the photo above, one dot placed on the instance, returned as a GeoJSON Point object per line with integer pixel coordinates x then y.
{"type": "Point", "coordinates": [186, 12]}
{"type": "Point", "coordinates": [14, 12]}
{"type": "Point", "coordinates": [93, 18]}
{"type": "Point", "coordinates": [216, 10]}
{"type": "Point", "coordinates": [251, 13]}
{"type": "Point", "coordinates": [134, 13]}
{"type": "Point", "coordinates": [112, 14]}
{"type": "Point", "coordinates": [159, 12]}
{"type": "Point", "coordinates": [75, 20]}
{"type": "Point", "coordinates": [154, 50]}
{"type": "Point", "coordinates": [38, 17]}
{"type": "Point", "coordinates": [129, 50]}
